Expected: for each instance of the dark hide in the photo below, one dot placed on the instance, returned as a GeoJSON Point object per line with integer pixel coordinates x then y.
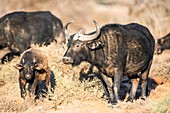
{"type": "Point", "coordinates": [33, 69]}
{"type": "Point", "coordinates": [18, 30]}
{"type": "Point", "coordinates": [119, 50]}
{"type": "Point", "coordinates": [162, 44]}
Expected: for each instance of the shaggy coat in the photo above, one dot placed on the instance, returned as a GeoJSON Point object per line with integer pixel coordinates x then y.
{"type": "Point", "coordinates": [117, 50]}
{"type": "Point", "coordinates": [18, 30]}
{"type": "Point", "coordinates": [33, 69]}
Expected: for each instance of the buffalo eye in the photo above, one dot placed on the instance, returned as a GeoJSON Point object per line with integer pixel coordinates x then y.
{"type": "Point", "coordinates": [77, 45]}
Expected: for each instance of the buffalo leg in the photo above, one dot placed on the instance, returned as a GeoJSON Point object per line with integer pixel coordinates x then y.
{"type": "Point", "coordinates": [22, 84]}
{"type": "Point", "coordinates": [34, 86]}
{"type": "Point", "coordinates": [109, 88]}
{"type": "Point", "coordinates": [134, 87]}
{"type": "Point", "coordinates": [47, 81]}
{"type": "Point", "coordinates": [117, 80]}
{"type": "Point", "coordinates": [144, 79]}
{"type": "Point", "coordinates": [144, 85]}
{"type": "Point", "coordinates": [106, 92]}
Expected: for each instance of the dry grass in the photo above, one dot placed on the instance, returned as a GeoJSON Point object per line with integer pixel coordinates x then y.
{"type": "Point", "coordinates": [68, 85]}
{"type": "Point", "coordinates": [154, 15]}
{"type": "Point", "coordinates": [162, 105]}
{"type": "Point", "coordinates": [159, 103]}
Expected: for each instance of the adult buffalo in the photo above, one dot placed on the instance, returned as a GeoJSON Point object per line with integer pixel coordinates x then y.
{"type": "Point", "coordinates": [162, 44]}
{"type": "Point", "coordinates": [18, 30]}
{"type": "Point", "coordinates": [116, 50]}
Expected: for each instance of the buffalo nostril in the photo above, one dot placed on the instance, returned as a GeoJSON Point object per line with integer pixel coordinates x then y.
{"type": "Point", "coordinates": [67, 60]}
{"type": "Point", "coordinates": [28, 76]}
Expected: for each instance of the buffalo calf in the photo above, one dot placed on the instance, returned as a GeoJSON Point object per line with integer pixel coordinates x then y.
{"type": "Point", "coordinates": [33, 69]}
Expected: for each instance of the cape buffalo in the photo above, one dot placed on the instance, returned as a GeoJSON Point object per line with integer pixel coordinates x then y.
{"type": "Point", "coordinates": [18, 30]}
{"type": "Point", "coordinates": [162, 44]}
{"type": "Point", "coordinates": [116, 50]}
{"type": "Point", "coordinates": [33, 69]}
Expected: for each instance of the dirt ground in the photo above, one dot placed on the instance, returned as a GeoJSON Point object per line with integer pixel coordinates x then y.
{"type": "Point", "coordinates": [71, 94]}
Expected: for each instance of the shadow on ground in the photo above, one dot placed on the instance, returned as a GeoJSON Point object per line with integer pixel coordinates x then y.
{"type": "Point", "coordinates": [125, 83]}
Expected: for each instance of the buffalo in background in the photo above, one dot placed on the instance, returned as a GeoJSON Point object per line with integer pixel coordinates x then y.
{"type": "Point", "coordinates": [116, 50]}
{"type": "Point", "coordinates": [162, 44]}
{"type": "Point", "coordinates": [18, 30]}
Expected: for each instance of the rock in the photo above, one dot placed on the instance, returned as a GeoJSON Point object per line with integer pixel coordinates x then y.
{"type": "Point", "coordinates": [158, 80]}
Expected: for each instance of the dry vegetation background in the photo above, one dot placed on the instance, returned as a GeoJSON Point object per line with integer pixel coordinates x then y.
{"type": "Point", "coordinates": [72, 95]}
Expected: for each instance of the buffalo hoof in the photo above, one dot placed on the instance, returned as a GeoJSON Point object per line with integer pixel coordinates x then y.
{"type": "Point", "coordinates": [104, 96]}
{"type": "Point", "coordinates": [143, 98]}
{"type": "Point", "coordinates": [113, 102]}
{"type": "Point", "coordinates": [51, 97]}
{"type": "Point", "coordinates": [23, 95]}
{"type": "Point", "coordinates": [129, 99]}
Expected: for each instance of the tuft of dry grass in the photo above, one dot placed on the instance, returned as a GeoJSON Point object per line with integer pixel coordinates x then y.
{"type": "Point", "coordinates": [162, 105]}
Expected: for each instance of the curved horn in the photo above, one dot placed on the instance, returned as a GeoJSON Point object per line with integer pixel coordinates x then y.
{"type": "Point", "coordinates": [93, 36]}
{"type": "Point", "coordinates": [65, 28]}
{"type": "Point", "coordinates": [82, 31]}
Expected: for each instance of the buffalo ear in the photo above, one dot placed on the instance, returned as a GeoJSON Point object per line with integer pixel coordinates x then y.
{"type": "Point", "coordinates": [18, 66]}
{"type": "Point", "coordinates": [38, 66]}
{"type": "Point", "coordinates": [95, 45]}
